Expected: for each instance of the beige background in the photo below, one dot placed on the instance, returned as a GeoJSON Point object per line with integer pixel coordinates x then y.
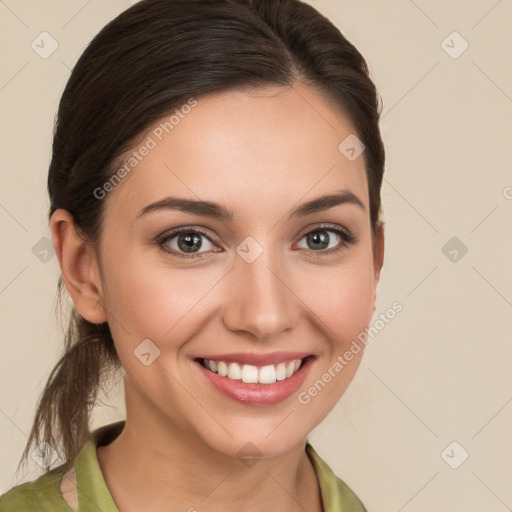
{"type": "Point", "coordinates": [437, 373]}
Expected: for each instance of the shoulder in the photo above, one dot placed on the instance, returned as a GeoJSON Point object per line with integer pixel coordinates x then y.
{"type": "Point", "coordinates": [56, 490]}
{"type": "Point", "coordinates": [337, 496]}
{"type": "Point", "coordinates": [41, 494]}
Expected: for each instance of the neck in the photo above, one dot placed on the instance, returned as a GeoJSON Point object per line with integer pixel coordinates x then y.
{"type": "Point", "coordinates": [147, 469]}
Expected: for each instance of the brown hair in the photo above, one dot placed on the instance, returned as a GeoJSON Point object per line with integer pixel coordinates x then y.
{"type": "Point", "coordinates": [149, 60]}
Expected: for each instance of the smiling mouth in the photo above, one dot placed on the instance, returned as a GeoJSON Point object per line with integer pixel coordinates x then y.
{"type": "Point", "coordinates": [250, 374]}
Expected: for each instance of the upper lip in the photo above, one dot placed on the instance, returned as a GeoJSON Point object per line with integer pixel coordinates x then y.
{"type": "Point", "coordinates": [256, 359]}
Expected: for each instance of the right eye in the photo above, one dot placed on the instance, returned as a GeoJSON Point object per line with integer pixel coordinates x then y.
{"type": "Point", "coordinates": [183, 242]}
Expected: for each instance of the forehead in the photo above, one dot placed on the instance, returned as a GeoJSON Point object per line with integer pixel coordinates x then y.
{"type": "Point", "coordinates": [258, 150]}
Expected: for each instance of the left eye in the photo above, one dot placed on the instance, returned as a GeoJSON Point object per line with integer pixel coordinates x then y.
{"type": "Point", "coordinates": [322, 240]}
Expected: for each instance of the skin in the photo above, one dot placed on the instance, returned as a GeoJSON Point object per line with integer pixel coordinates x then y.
{"type": "Point", "coordinates": [259, 154]}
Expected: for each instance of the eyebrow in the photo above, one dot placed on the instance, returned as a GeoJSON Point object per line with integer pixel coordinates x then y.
{"type": "Point", "coordinates": [217, 211]}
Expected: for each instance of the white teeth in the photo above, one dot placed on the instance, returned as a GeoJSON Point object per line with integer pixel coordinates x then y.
{"type": "Point", "coordinates": [281, 371]}
{"type": "Point", "coordinates": [234, 371]}
{"type": "Point", "coordinates": [252, 374]}
{"type": "Point", "coordinates": [222, 369]}
{"type": "Point", "coordinates": [249, 374]}
{"type": "Point", "coordinates": [267, 374]}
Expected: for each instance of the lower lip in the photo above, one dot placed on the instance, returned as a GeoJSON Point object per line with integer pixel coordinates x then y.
{"type": "Point", "coordinates": [258, 394]}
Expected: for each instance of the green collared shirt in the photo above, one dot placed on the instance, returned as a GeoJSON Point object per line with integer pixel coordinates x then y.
{"type": "Point", "coordinates": [44, 494]}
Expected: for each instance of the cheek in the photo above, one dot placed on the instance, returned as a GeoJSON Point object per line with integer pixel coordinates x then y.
{"type": "Point", "coordinates": [343, 299]}
{"type": "Point", "coordinates": [153, 300]}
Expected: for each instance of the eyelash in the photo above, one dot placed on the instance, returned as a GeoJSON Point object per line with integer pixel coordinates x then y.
{"type": "Point", "coordinates": [347, 239]}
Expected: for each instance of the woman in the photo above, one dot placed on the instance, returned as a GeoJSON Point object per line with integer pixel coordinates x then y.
{"type": "Point", "coordinates": [203, 150]}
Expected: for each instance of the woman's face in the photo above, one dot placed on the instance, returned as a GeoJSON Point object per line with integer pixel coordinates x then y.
{"type": "Point", "coordinates": [264, 282]}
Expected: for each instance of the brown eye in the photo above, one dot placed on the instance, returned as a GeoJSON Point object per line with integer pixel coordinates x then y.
{"type": "Point", "coordinates": [319, 239]}
{"type": "Point", "coordinates": [189, 242]}
{"type": "Point", "coordinates": [185, 242]}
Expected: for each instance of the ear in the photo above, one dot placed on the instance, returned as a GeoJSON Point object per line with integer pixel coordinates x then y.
{"type": "Point", "coordinates": [378, 252]}
{"type": "Point", "coordinates": [79, 267]}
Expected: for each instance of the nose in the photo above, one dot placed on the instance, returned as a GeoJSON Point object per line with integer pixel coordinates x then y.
{"type": "Point", "coordinates": [260, 301]}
